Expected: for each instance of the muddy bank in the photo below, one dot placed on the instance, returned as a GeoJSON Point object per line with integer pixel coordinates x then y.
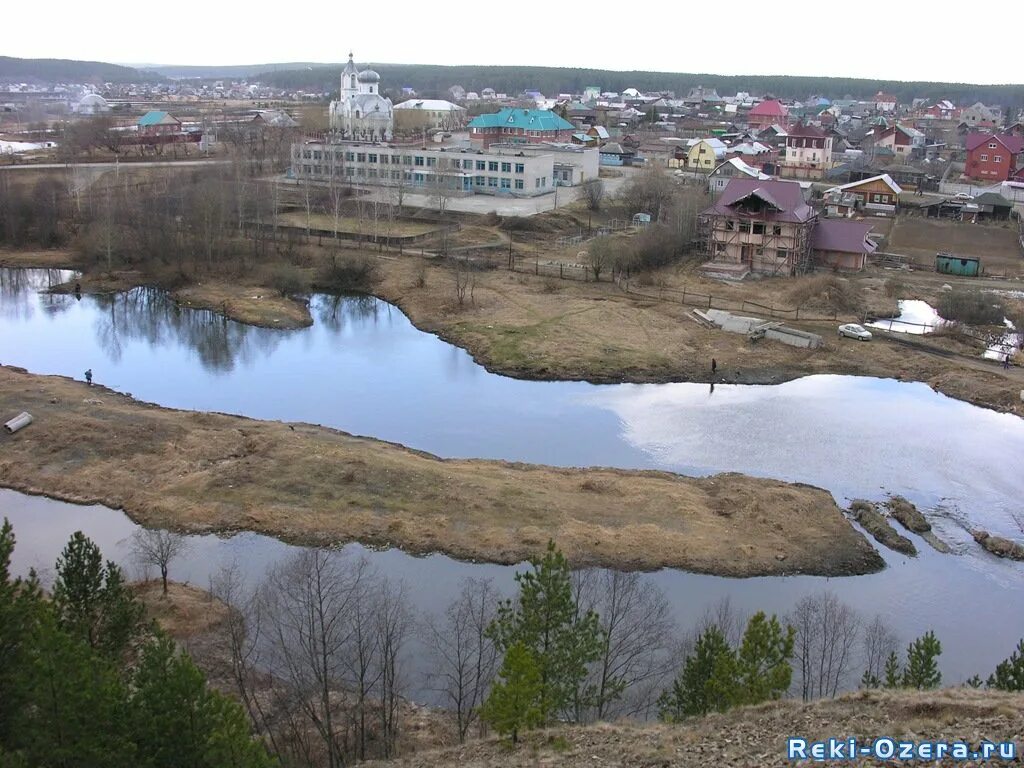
{"type": "Point", "coordinates": [874, 522]}
{"type": "Point", "coordinates": [201, 472]}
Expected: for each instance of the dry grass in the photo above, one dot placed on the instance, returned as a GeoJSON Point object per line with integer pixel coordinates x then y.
{"type": "Point", "coordinates": [751, 737]}
{"type": "Point", "coordinates": [212, 472]}
{"type": "Point", "coordinates": [353, 225]}
{"type": "Point", "coordinates": [245, 303]}
{"type": "Point", "coordinates": [921, 238]}
{"type": "Point", "coordinates": [184, 612]}
{"type": "Point", "coordinates": [828, 292]}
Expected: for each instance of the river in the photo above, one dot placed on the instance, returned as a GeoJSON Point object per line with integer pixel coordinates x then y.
{"type": "Point", "coordinates": [363, 367]}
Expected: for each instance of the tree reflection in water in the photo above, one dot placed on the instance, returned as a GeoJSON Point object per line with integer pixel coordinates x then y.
{"type": "Point", "coordinates": [17, 285]}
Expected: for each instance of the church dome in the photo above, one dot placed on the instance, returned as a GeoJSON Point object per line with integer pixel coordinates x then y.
{"type": "Point", "coordinates": [92, 100]}
{"type": "Point", "coordinates": [369, 76]}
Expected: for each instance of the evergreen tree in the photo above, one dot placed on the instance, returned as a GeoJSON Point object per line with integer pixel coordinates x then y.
{"type": "Point", "coordinates": [74, 712]}
{"type": "Point", "coordinates": [1009, 674]}
{"type": "Point", "coordinates": [699, 687]}
{"type": "Point", "coordinates": [893, 673]}
{"type": "Point", "coordinates": [546, 621]}
{"type": "Point", "coordinates": [922, 670]}
{"type": "Point", "coordinates": [867, 680]}
{"type": "Point", "coordinates": [763, 669]}
{"type": "Point", "coordinates": [92, 601]}
{"type": "Point", "coordinates": [514, 703]}
{"type": "Point", "coordinates": [20, 604]}
{"type": "Point", "coordinates": [177, 720]}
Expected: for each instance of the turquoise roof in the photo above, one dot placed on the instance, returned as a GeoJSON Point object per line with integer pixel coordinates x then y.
{"type": "Point", "coordinates": [153, 117]}
{"type": "Point", "coordinates": [526, 119]}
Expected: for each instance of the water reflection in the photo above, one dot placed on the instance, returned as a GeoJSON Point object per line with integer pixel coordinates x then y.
{"type": "Point", "coordinates": [23, 292]}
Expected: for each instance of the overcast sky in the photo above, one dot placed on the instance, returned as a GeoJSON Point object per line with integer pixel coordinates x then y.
{"type": "Point", "coordinates": [899, 41]}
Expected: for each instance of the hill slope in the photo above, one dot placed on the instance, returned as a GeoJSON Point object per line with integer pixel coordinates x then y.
{"type": "Point", "coordinates": [70, 71]}
{"type": "Point", "coordinates": [753, 737]}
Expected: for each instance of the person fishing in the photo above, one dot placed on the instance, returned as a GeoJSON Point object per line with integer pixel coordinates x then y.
{"type": "Point", "coordinates": [714, 366]}
{"type": "Point", "coordinates": [88, 377]}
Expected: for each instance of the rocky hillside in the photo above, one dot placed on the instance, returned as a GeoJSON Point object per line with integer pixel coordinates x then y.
{"type": "Point", "coordinates": [755, 736]}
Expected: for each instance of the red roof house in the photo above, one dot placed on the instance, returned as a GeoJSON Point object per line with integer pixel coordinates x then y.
{"type": "Point", "coordinates": [993, 157]}
{"type": "Point", "coordinates": [767, 113]}
{"type": "Point", "coordinates": [842, 244]}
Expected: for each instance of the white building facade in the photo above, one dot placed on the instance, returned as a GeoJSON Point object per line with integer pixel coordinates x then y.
{"type": "Point", "coordinates": [512, 172]}
{"type": "Point", "coordinates": [361, 113]}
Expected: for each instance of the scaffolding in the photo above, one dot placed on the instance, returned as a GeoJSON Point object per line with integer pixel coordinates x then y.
{"type": "Point", "coordinates": [751, 231]}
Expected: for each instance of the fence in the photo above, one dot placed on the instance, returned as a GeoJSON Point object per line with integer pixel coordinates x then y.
{"type": "Point", "coordinates": [708, 301]}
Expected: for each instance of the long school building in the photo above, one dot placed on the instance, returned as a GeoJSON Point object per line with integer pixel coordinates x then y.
{"type": "Point", "coordinates": [515, 171]}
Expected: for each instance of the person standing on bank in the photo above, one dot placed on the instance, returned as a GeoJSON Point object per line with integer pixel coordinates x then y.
{"type": "Point", "coordinates": [714, 366]}
{"type": "Point", "coordinates": [88, 377]}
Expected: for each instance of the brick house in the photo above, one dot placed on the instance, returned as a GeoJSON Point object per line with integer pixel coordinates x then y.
{"type": "Point", "coordinates": [808, 152]}
{"type": "Point", "coordinates": [768, 113]}
{"type": "Point", "coordinates": [879, 194]}
{"type": "Point", "coordinates": [157, 123]}
{"type": "Point", "coordinates": [993, 157]}
{"type": "Point", "coordinates": [519, 126]}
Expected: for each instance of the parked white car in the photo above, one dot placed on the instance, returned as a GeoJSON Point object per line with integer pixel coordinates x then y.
{"type": "Point", "coordinates": [854, 331]}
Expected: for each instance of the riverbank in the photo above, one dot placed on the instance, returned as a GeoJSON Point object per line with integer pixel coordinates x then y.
{"type": "Point", "coordinates": [540, 328]}
{"type": "Point", "coordinates": [202, 472]}
{"type": "Point", "coordinates": [752, 737]}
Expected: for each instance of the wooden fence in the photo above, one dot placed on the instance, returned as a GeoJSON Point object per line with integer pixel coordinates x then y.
{"type": "Point", "coordinates": [709, 301]}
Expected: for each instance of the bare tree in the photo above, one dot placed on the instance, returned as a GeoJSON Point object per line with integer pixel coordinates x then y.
{"type": "Point", "coordinates": [878, 643]}
{"type": "Point", "coordinates": [637, 653]}
{"type": "Point", "coordinates": [463, 281]}
{"type": "Point", "coordinates": [393, 620]}
{"type": "Point", "coordinates": [465, 659]}
{"type": "Point", "coordinates": [592, 193]}
{"type": "Point", "coordinates": [649, 191]}
{"type": "Point", "coordinates": [158, 548]}
{"type": "Point", "coordinates": [600, 255]}
{"type": "Point", "coordinates": [826, 633]}
{"type": "Point", "coordinates": [723, 615]}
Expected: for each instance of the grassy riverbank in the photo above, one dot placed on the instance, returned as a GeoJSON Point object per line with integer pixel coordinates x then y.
{"type": "Point", "coordinates": [210, 472]}
{"type": "Point", "coordinates": [543, 328]}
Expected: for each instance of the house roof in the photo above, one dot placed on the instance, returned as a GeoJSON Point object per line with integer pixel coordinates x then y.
{"type": "Point", "coordinates": [156, 117]}
{"type": "Point", "coordinates": [612, 148]}
{"type": "Point", "coordinates": [742, 167]}
{"type": "Point", "coordinates": [1014, 144]}
{"type": "Point", "coordinates": [770, 108]}
{"type": "Point", "coordinates": [992, 198]}
{"type": "Point", "coordinates": [600, 130]}
{"type": "Point", "coordinates": [526, 119]}
{"type": "Point", "coordinates": [430, 105]}
{"type": "Point", "coordinates": [784, 198]}
{"type": "Point", "coordinates": [806, 131]}
{"type": "Point", "coordinates": [843, 235]}
{"type": "Point", "coordinates": [884, 177]}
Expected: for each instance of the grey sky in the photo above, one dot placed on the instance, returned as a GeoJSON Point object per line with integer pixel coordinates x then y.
{"type": "Point", "coordinates": [895, 41]}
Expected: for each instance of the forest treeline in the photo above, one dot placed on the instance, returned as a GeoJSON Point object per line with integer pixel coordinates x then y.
{"type": "Point", "coordinates": [71, 71]}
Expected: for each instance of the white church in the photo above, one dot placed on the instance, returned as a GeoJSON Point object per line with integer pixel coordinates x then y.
{"type": "Point", "coordinates": [361, 114]}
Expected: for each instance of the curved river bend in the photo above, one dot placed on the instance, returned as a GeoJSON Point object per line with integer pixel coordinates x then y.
{"type": "Point", "coordinates": [362, 367]}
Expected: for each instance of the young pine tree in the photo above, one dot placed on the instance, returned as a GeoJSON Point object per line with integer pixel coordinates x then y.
{"type": "Point", "coordinates": [705, 684]}
{"type": "Point", "coordinates": [546, 622]}
{"type": "Point", "coordinates": [1009, 674]}
{"type": "Point", "coordinates": [513, 704]}
{"type": "Point", "coordinates": [92, 601]}
{"type": "Point", "coordinates": [893, 673]}
{"type": "Point", "coordinates": [764, 671]}
{"type": "Point", "coordinates": [922, 670]}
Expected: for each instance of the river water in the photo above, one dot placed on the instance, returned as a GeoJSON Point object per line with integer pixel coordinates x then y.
{"type": "Point", "coordinates": [364, 368]}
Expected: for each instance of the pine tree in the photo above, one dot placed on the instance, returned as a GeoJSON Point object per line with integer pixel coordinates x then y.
{"type": "Point", "coordinates": [893, 673]}
{"type": "Point", "coordinates": [922, 670]}
{"type": "Point", "coordinates": [92, 601]}
{"type": "Point", "coordinates": [867, 680]}
{"type": "Point", "coordinates": [20, 607]}
{"type": "Point", "coordinates": [705, 684]}
{"type": "Point", "coordinates": [546, 621]}
{"type": "Point", "coordinates": [763, 667]}
{"type": "Point", "coordinates": [177, 720]}
{"type": "Point", "coordinates": [1009, 674]}
{"type": "Point", "coordinates": [514, 703]}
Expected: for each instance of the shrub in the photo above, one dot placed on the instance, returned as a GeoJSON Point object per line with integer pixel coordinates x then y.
{"type": "Point", "coordinates": [349, 274]}
{"type": "Point", "coordinates": [286, 281]}
{"type": "Point", "coordinates": [971, 307]}
{"type": "Point", "coordinates": [654, 247]}
{"type": "Point", "coordinates": [896, 287]}
{"type": "Point", "coordinates": [828, 292]}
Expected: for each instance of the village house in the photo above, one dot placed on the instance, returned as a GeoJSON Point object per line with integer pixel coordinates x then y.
{"type": "Point", "coordinates": [759, 226]}
{"type": "Point", "coordinates": [942, 110]}
{"type": "Point", "coordinates": [705, 154]}
{"type": "Point", "coordinates": [732, 168]}
{"type": "Point", "coordinates": [519, 126]}
{"type": "Point", "coordinates": [979, 117]}
{"type": "Point", "coordinates": [156, 123]}
{"type": "Point", "coordinates": [416, 115]}
{"type": "Point", "coordinates": [904, 141]}
{"type": "Point", "coordinates": [842, 244]}
{"type": "Point", "coordinates": [994, 157]}
{"type": "Point", "coordinates": [885, 102]}
{"type": "Point", "coordinates": [808, 152]}
{"type": "Point", "coordinates": [612, 154]}
{"type": "Point", "coordinates": [876, 194]}
{"type": "Point", "coordinates": [767, 114]}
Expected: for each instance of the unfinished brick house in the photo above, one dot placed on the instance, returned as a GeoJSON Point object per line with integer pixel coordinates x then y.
{"type": "Point", "coordinates": [759, 226]}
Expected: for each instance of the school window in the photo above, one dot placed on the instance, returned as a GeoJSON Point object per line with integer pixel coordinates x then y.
{"type": "Point", "coordinates": [361, 157]}
{"type": "Point", "coordinates": [506, 183]}
{"type": "Point", "coordinates": [307, 155]}
{"type": "Point", "coordinates": [360, 171]}
{"type": "Point", "coordinates": [418, 160]}
{"type": "Point", "coordinates": [520, 168]}
{"type": "Point", "coordinates": [491, 181]}
{"type": "Point", "coordinates": [519, 183]}
{"type": "Point", "coordinates": [372, 158]}
{"type": "Point", "coordinates": [383, 159]}
{"type": "Point", "coordinates": [481, 165]}
{"type": "Point", "coordinates": [492, 165]}
{"type": "Point", "coordinates": [396, 159]}
{"type": "Point", "coordinates": [406, 159]}
{"type": "Point", "coordinates": [373, 173]}
{"type": "Point", "coordinates": [307, 169]}
{"type": "Point", "coordinates": [316, 155]}
{"type": "Point", "coordinates": [350, 156]}
{"type": "Point", "coordinates": [431, 162]}
{"type": "Point", "coordinates": [536, 183]}
{"type": "Point", "coordinates": [506, 167]}
{"type": "Point", "coordinates": [338, 157]}
{"type": "Point", "coordinates": [543, 181]}
{"type": "Point", "coordinates": [417, 178]}
{"type": "Point", "coordinates": [350, 171]}
{"type": "Point", "coordinates": [478, 181]}
{"type": "Point", "coordinates": [396, 175]}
